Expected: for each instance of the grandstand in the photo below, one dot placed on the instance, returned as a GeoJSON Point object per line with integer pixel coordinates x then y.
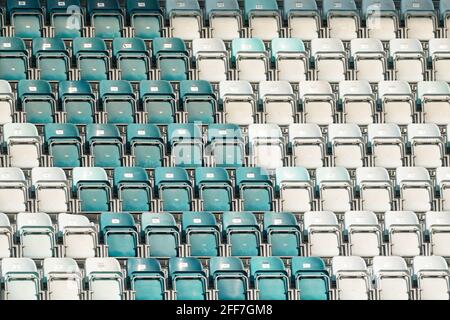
{"type": "Point", "coordinates": [225, 149]}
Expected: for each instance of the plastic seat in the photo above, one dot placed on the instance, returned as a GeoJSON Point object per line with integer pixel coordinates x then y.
{"type": "Point", "coordinates": [310, 277]}
{"type": "Point", "coordinates": [79, 236]}
{"type": "Point", "coordinates": [21, 279]}
{"type": "Point", "coordinates": [171, 58]}
{"type": "Point", "coordinates": [201, 233]}
{"type": "Point", "coordinates": [211, 59]}
{"type": "Point", "coordinates": [263, 18]}
{"type": "Point", "coordinates": [161, 234]}
{"type": "Point", "coordinates": [413, 184]}
{"type": "Point", "coordinates": [323, 232]}
{"type": "Point", "coordinates": [282, 233]}
{"type": "Point", "coordinates": [250, 58]}
{"type": "Point", "coordinates": [229, 277]}
{"type": "Point", "coordinates": [214, 189]}
{"type": "Point", "coordinates": [145, 18]}
{"type": "Point", "coordinates": [426, 145]}
{"type": "Point", "coordinates": [278, 102]}
{"type": "Point", "coordinates": [52, 59]}
{"type": "Point", "coordinates": [293, 184]}
{"type": "Point", "coordinates": [6, 237]}
{"type": "Point", "coordinates": [307, 145]}
{"type": "Point", "coordinates": [242, 234]}
{"type": "Point", "coordinates": [385, 143]}
{"type": "Point", "coordinates": [63, 143]}
{"type": "Point", "coordinates": [106, 18]}
{"type": "Point", "coordinates": [59, 12]}
{"type": "Point", "coordinates": [419, 18]}
{"type": "Point", "coordinates": [254, 188]}
{"type": "Point", "coordinates": [396, 102]}
{"type": "Point", "coordinates": [14, 63]}
{"type": "Point", "coordinates": [146, 279]}
{"type": "Point", "coordinates": [363, 233]}
{"type": "Point", "coordinates": [226, 145]}
{"type": "Point", "coordinates": [23, 144]}
{"type": "Point", "coordinates": [146, 145]}
{"type": "Point", "coordinates": [303, 19]}
{"type": "Point", "coordinates": [77, 101]}
{"type": "Point", "coordinates": [51, 189]}
{"type": "Point", "coordinates": [119, 234]}
{"type": "Point", "coordinates": [198, 101]}
{"type": "Point", "coordinates": [7, 103]}
{"type": "Point", "coordinates": [333, 186]}
{"type": "Point", "coordinates": [92, 189]}
{"type": "Point", "coordinates": [266, 145]}
{"type": "Point", "coordinates": [26, 18]}
{"type": "Point", "coordinates": [437, 230]}
{"type": "Point", "coordinates": [329, 57]}
{"type": "Point", "coordinates": [403, 232]}
{"type": "Point", "coordinates": [35, 234]}
{"type": "Point", "coordinates": [188, 278]}
{"type": "Point", "coordinates": [270, 278]}
{"type": "Point", "coordinates": [317, 102]}
{"type": "Point", "coordinates": [342, 18]}
{"type": "Point", "coordinates": [442, 181]}
{"type": "Point", "coordinates": [13, 190]}
{"type": "Point", "coordinates": [352, 278]}
{"type": "Point", "coordinates": [104, 143]}
{"type": "Point", "coordinates": [381, 19]}
{"type": "Point", "coordinates": [174, 189]}
{"type": "Point", "coordinates": [104, 277]}
{"type": "Point", "coordinates": [92, 58]}
{"type": "Point", "coordinates": [132, 58]}
{"type": "Point", "coordinates": [37, 101]}
{"type": "Point", "coordinates": [431, 276]}
{"type": "Point", "coordinates": [444, 10]}
{"type": "Point", "coordinates": [374, 189]}
{"type": "Point", "coordinates": [289, 57]}
{"type": "Point", "coordinates": [346, 145]}
{"type": "Point", "coordinates": [391, 278]}
{"type": "Point", "coordinates": [439, 58]}
{"type": "Point", "coordinates": [238, 102]}
{"type": "Point", "coordinates": [63, 279]}
{"type": "Point", "coordinates": [158, 101]}
{"type": "Point", "coordinates": [224, 17]}
{"type": "Point", "coordinates": [433, 99]}
{"type": "Point", "coordinates": [185, 19]}
{"type": "Point", "coordinates": [133, 189]}
{"type": "Point", "coordinates": [118, 101]}
{"type": "Point", "coordinates": [357, 102]}
{"type": "Point", "coordinates": [407, 59]}
{"type": "Point", "coordinates": [368, 58]}
{"type": "Point", "coordinates": [186, 144]}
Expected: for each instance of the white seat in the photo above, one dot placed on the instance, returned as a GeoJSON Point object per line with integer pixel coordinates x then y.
{"type": "Point", "coordinates": [318, 101]}
{"type": "Point", "coordinates": [250, 59]}
{"type": "Point", "coordinates": [346, 144]}
{"type": "Point", "coordinates": [357, 101]}
{"type": "Point", "coordinates": [434, 98]}
{"type": "Point", "coordinates": [264, 19]}
{"type": "Point", "coordinates": [64, 279]}
{"type": "Point", "coordinates": [403, 229]}
{"type": "Point", "coordinates": [329, 59]}
{"type": "Point", "coordinates": [381, 19]}
{"type": "Point", "coordinates": [420, 19]}
{"type": "Point", "coordinates": [396, 101]}
{"type": "Point", "coordinates": [391, 278]}
{"type": "Point", "coordinates": [6, 102]}
{"type": "Point", "coordinates": [185, 18]}
{"type": "Point", "coordinates": [364, 234]}
{"type": "Point", "coordinates": [324, 236]}
{"type": "Point", "coordinates": [334, 188]}
{"type": "Point", "coordinates": [308, 147]}
{"type": "Point", "coordinates": [442, 181]}
{"type": "Point", "coordinates": [21, 279]}
{"type": "Point", "coordinates": [6, 237]}
{"type": "Point", "coordinates": [51, 189]}
{"type": "Point", "coordinates": [238, 102]}
{"type": "Point", "coordinates": [290, 59]}
{"type": "Point", "coordinates": [408, 59]}
{"type": "Point", "coordinates": [342, 18]}
{"type": "Point", "coordinates": [352, 278]}
{"type": "Point", "coordinates": [13, 190]}
{"type": "Point", "coordinates": [105, 278]}
{"type": "Point", "coordinates": [303, 19]}
{"type": "Point", "coordinates": [79, 236]}
{"type": "Point", "coordinates": [294, 188]}
{"type": "Point", "coordinates": [23, 143]}
{"type": "Point", "coordinates": [375, 189]}
{"type": "Point", "coordinates": [439, 54]}
{"type": "Point", "coordinates": [426, 143]}
{"type": "Point", "coordinates": [437, 227]}
{"type": "Point", "coordinates": [278, 102]}
{"type": "Point", "coordinates": [211, 59]}
{"type": "Point", "coordinates": [36, 235]}
{"type": "Point", "coordinates": [266, 145]}
{"type": "Point", "coordinates": [225, 21]}
{"type": "Point", "coordinates": [414, 187]}
{"type": "Point", "coordinates": [432, 277]}
{"type": "Point", "coordinates": [386, 144]}
{"type": "Point", "coordinates": [369, 59]}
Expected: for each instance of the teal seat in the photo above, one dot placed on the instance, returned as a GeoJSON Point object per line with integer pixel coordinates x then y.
{"type": "Point", "coordinates": [245, 53]}
{"type": "Point", "coordinates": [132, 59]}
{"type": "Point", "coordinates": [229, 278]}
{"type": "Point", "coordinates": [145, 18]}
{"type": "Point", "coordinates": [91, 57]}
{"type": "Point", "coordinates": [13, 59]}
{"type": "Point", "coordinates": [161, 234]}
{"type": "Point", "coordinates": [254, 188]}
{"type": "Point", "coordinates": [242, 233]}
{"type": "Point", "coordinates": [198, 100]}
{"type": "Point", "coordinates": [58, 14]}
{"type": "Point", "coordinates": [174, 189]}
{"type": "Point", "coordinates": [227, 145]}
{"type": "Point", "coordinates": [52, 59]}
{"type": "Point", "coordinates": [118, 101]}
{"type": "Point", "coordinates": [171, 58]}
{"type": "Point", "coordinates": [146, 278]}
{"type": "Point", "coordinates": [214, 188]}
{"type": "Point", "coordinates": [263, 18]}
{"type": "Point", "coordinates": [188, 278]}
{"type": "Point", "coordinates": [444, 10]}
{"type": "Point", "coordinates": [186, 144]}
{"type": "Point", "coordinates": [119, 234]}
{"type": "Point", "coordinates": [270, 278]}
{"type": "Point", "coordinates": [77, 101]}
{"type": "Point", "coordinates": [282, 233]}
{"type": "Point", "coordinates": [158, 101]}
{"type": "Point", "coordinates": [146, 145]}
{"type": "Point", "coordinates": [311, 278]}
{"type": "Point", "coordinates": [63, 143]}
{"type": "Point", "coordinates": [224, 18]}
{"type": "Point", "coordinates": [26, 18]}
{"type": "Point", "coordinates": [189, 16]}
{"type": "Point", "coordinates": [133, 189]}
{"type": "Point", "coordinates": [106, 18]}
{"type": "Point", "coordinates": [104, 144]}
{"type": "Point", "coordinates": [201, 233]}
{"type": "Point", "coordinates": [37, 101]}
{"type": "Point", "coordinates": [90, 185]}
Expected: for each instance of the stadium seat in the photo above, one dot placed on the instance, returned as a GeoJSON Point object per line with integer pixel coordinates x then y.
{"type": "Point", "coordinates": [307, 144]}
{"type": "Point", "coordinates": [119, 234]}
{"type": "Point", "coordinates": [254, 187]}
{"type": "Point", "coordinates": [352, 278]}
{"type": "Point", "coordinates": [334, 188]}
{"type": "Point", "coordinates": [407, 59]}
{"type": "Point", "coordinates": [50, 189]}
{"type": "Point", "coordinates": [391, 278]}
{"type": "Point", "coordinates": [363, 233]}
{"type": "Point", "coordinates": [224, 17]}
{"type": "Point", "coordinates": [92, 189]}
{"type": "Point", "coordinates": [171, 58]}
{"type": "Point", "coordinates": [381, 19]}
{"type": "Point", "coordinates": [431, 276]}
{"type": "Point", "coordinates": [35, 235]}
{"type": "Point", "coordinates": [289, 57]}
{"type": "Point", "coordinates": [294, 189]}
{"type": "Point", "coordinates": [302, 18]}
{"type": "Point", "coordinates": [161, 234]}
{"type": "Point", "coordinates": [226, 145]}
{"type": "Point", "coordinates": [133, 189]}
{"type": "Point", "coordinates": [403, 234]}
{"type": "Point", "coordinates": [63, 279]}
{"type": "Point", "coordinates": [263, 18]}
{"type": "Point", "coordinates": [146, 278]}
{"type": "Point", "coordinates": [23, 144]}
{"type": "Point", "coordinates": [92, 58]}
{"type": "Point", "coordinates": [132, 59]}
{"type": "Point", "coordinates": [211, 59]}
{"type": "Point", "coordinates": [374, 189]}
{"type": "Point", "coordinates": [425, 144]}
{"type": "Point", "coordinates": [104, 278]}
{"type": "Point", "coordinates": [26, 18]}
{"type": "Point", "coordinates": [368, 59]}
{"type": "Point", "coordinates": [433, 100]}
{"type": "Point", "coordinates": [186, 144]}
{"type": "Point", "coordinates": [78, 235]}
{"type": "Point", "coordinates": [238, 102]}
{"type": "Point", "coordinates": [185, 18]}
{"type": "Point", "coordinates": [66, 18]}
{"type": "Point", "coordinates": [419, 18]}
{"type": "Point", "coordinates": [385, 143]}
{"type": "Point", "coordinates": [278, 102]}
{"type": "Point", "coordinates": [63, 142]}
{"type": "Point", "coordinates": [414, 187]}
{"type": "Point", "coordinates": [266, 145]}
{"type": "Point", "coordinates": [396, 102]}
{"type": "Point", "coordinates": [438, 57]}
{"type": "Point", "coordinates": [145, 18]}
{"type": "Point", "coordinates": [14, 63]}
{"type": "Point", "coordinates": [311, 278]}
{"type": "Point", "coordinates": [145, 143]}
{"type": "Point", "coordinates": [214, 189]}
{"type": "Point", "coordinates": [201, 234]}
{"type": "Point", "coordinates": [329, 59]}
{"type": "Point", "coordinates": [346, 145]}
{"type": "Point", "coordinates": [158, 101]}
{"type": "Point", "coordinates": [104, 144]}
{"type": "Point", "coordinates": [323, 233]}
{"type": "Point", "coordinates": [283, 234]}
{"type": "Point", "coordinates": [6, 237]}
{"type": "Point", "coordinates": [229, 278]}
{"type": "Point", "coordinates": [441, 186]}
{"type": "Point", "coordinates": [106, 18]}
{"type": "Point", "coordinates": [21, 279]}
{"type": "Point", "coordinates": [118, 101]}
{"type": "Point", "coordinates": [444, 10]}
{"type": "Point", "coordinates": [52, 59]}
{"type": "Point", "coordinates": [13, 190]}
{"type": "Point", "coordinates": [37, 101]}
{"type": "Point", "coordinates": [242, 234]}
{"type": "Point", "coordinates": [174, 189]}
{"type": "Point", "coordinates": [342, 18]}
{"type": "Point", "coordinates": [77, 102]}
{"type": "Point", "coordinates": [270, 278]}
{"type": "Point", "coordinates": [250, 59]}
{"type": "Point", "coordinates": [198, 101]}
{"type": "Point", "coordinates": [189, 280]}
{"type": "Point", "coordinates": [357, 102]}
{"type": "Point", "coordinates": [7, 103]}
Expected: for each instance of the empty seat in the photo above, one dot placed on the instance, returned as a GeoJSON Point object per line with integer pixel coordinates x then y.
{"type": "Point", "coordinates": [381, 19]}
{"type": "Point", "coordinates": [254, 188]}
{"type": "Point", "coordinates": [266, 145]}
{"type": "Point", "coordinates": [66, 18]}
{"type": "Point", "coordinates": [342, 19]}
{"type": "Point", "coordinates": [92, 189]}
{"type": "Point", "coordinates": [188, 278]}
{"type": "Point", "coordinates": [79, 236]}
{"type": "Point", "coordinates": [385, 143]}
{"type": "Point", "coordinates": [431, 276]}
{"type": "Point", "coordinates": [238, 102]}
{"type": "Point", "coordinates": [425, 144]}
{"type": "Point", "coordinates": [6, 237]}
{"type": "Point", "coordinates": [293, 185]}
{"type": "Point", "coordinates": [186, 144]}
{"type": "Point", "coordinates": [242, 234]}
{"type": "Point", "coordinates": [63, 279]}
{"type": "Point", "coordinates": [211, 59]}
{"type": "Point", "coordinates": [51, 190]}
{"type": "Point", "coordinates": [37, 101]}
{"type": "Point", "coordinates": [23, 144]}
{"type": "Point", "coordinates": [270, 278]}
{"type": "Point", "coordinates": [226, 145]}
{"type": "Point", "coordinates": [201, 234]}
{"type": "Point", "coordinates": [278, 102]}
{"type": "Point", "coordinates": [118, 101]}
{"type": "Point", "coordinates": [407, 59]}
{"type": "Point", "coordinates": [317, 102]}
{"type": "Point", "coordinates": [282, 233]}
{"type": "Point", "coordinates": [104, 144]}
{"type": "Point", "coordinates": [145, 18]}
{"type": "Point", "coordinates": [13, 190]}
{"type": "Point", "coordinates": [374, 188]}
{"type": "Point", "coordinates": [119, 234]}
{"type": "Point", "coordinates": [357, 102]}
{"type": "Point", "coordinates": [146, 278]}
{"type": "Point", "coordinates": [224, 17]}
{"type": "Point", "coordinates": [363, 233]}
{"type": "Point", "coordinates": [437, 230]}
{"type": "Point", "coordinates": [14, 59]}
{"type": "Point", "coordinates": [185, 19]}
{"type": "Point", "coordinates": [352, 278]}
{"type": "Point", "coordinates": [444, 10]}
{"type": "Point", "coordinates": [311, 278]}
{"type": "Point", "coordinates": [171, 58]}
{"type": "Point", "coordinates": [413, 184]}
{"type": "Point", "coordinates": [106, 18]}
{"type": "Point", "coordinates": [346, 145]}
{"type": "Point", "coordinates": [145, 143]}
{"type": "Point", "coordinates": [403, 234]}
{"type": "Point", "coordinates": [63, 142]}
{"type": "Point", "coordinates": [7, 103]}
{"type": "Point", "coordinates": [21, 279]}
{"type": "Point", "coordinates": [334, 189]}
{"type": "Point", "coordinates": [433, 99]}
{"type": "Point", "coordinates": [52, 59]}
{"type": "Point", "coordinates": [174, 189]}
{"type": "Point", "coordinates": [441, 186]}
{"type": "Point", "coordinates": [329, 57]}
{"type": "Point", "coordinates": [396, 102]}
{"type": "Point", "coordinates": [26, 18]}
{"type": "Point", "coordinates": [250, 58]}
{"type": "Point", "coordinates": [323, 233]}
{"type": "Point", "coordinates": [133, 189]}
{"type": "Point", "coordinates": [161, 234]}
{"type": "Point", "coordinates": [132, 58]}
{"type": "Point", "coordinates": [419, 18]}
{"type": "Point", "coordinates": [302, 18]}
{"type": "Point", "coordinates": [158, 101]}
{"type": "Point", "coordinates": [198, 101]}
{"type": "Point", "coordinates": [104, 278]}
{"type": "Point", "coordinates": [214, 189]}
{"type": "Point", "coordinates": [229, 278]}
{"type": "Point", "coordinates": [439, 57]}
{"type": "Point", "coordinates": [263, 18]}
{"type": "Point", "coordinates": [92, 58]}
{"type": "Point", "coordinates": [35, 234]}
{"type": "Point", "coordinates": [289, 57]}
{"type": "Point", "coordinates": [368, 58]}
{"type": "Point", "coordinates": [77, 101]}
{"type": "Point", "coordinates": [391, 278]}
